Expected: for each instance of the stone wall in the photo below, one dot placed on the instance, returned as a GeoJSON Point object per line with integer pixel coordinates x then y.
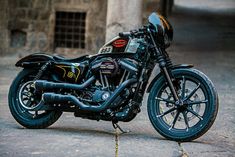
{"type": "Point", "coordinates": [95, 23]}
{"type": "Point", "coordinates": [28, 25]}
{"type": "Point", "coordinates": [4, 40]}
{"type": "Point", "coordinates": [123, 16]}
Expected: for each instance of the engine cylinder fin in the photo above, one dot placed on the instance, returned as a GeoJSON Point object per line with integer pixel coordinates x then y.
{"type": "Point", "coordinates": [123, 76]}
{"type": "Point", "coordinates": [106, 81]}
{"type": "Point", "coordinates": [102, 79]}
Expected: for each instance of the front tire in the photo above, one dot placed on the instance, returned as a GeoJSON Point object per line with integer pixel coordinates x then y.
{"type": "Point", "coordinates": [18, 109]}
{"type": "Point", "coordinates": [196, 114]}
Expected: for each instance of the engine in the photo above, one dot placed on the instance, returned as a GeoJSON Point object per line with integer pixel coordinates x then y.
{"type": "Point", "coordinates": [107, 66]}
{"type": "Point", "coordinates": [111, 73]}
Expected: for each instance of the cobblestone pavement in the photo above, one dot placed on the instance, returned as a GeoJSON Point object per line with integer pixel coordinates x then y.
{"type": "Point", "coordinates": [202, 39]}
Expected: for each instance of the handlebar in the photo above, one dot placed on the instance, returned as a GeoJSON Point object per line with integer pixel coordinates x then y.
{"type": "Point", "coordinates": [125, 34]}
{"type": "Point", "coordinates": [134, 33]}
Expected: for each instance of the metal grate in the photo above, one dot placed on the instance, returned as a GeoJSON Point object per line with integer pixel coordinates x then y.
{"type": "Point", "coordinates": [70, 29]}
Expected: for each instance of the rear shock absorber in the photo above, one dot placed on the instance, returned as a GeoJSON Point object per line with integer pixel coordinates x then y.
{"type": "Point", "coordinates": [41, 70]}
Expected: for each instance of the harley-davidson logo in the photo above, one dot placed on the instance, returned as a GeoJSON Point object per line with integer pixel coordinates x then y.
{"type": "Point", "coordinates": [119, 43]}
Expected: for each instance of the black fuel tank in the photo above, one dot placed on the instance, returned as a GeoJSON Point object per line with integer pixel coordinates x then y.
{"type": "Point", "coordinates": [121, 45]}
{"type": "Point", "coordinates": [116, 45]}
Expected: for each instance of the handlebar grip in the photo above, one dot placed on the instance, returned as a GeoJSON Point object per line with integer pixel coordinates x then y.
{"type": "Point", "coordinates": [124, 34]}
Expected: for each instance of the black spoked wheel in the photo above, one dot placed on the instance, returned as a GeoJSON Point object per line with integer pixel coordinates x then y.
{"type": "Point", "coordinates": [23, 99]}
{"type": "Point", "coordinates": [193, 115]}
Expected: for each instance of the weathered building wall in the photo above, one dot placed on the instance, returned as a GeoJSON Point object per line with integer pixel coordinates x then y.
{"type": "Point", "coordinates": [3, 27]}
{"type": "Point", "coordinates": [122, 16]}
{"type": "Point", "coordinates": [28, 25]}
{"type": "Point", "coordinates": [95, 21]}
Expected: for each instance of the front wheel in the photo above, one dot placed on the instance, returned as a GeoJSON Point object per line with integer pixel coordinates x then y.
{"type": "Point", "coordinates": [197, 110]}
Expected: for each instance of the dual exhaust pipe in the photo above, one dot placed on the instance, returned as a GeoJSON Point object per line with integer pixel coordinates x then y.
{"type": "Point", "coordinates": [52, 98]}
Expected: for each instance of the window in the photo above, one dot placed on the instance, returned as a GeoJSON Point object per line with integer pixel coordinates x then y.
{"type": "Point", "coordinates": [70, 29]}
{"type": "Point", "coordinates": [18, 38]}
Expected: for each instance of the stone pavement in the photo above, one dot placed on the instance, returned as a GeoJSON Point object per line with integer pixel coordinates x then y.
{"type": "Point", "coordinates": [202, 39]}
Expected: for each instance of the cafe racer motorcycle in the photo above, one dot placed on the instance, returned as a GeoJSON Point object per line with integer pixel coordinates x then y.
{"type": "Point", "coordinates": [182, 103]}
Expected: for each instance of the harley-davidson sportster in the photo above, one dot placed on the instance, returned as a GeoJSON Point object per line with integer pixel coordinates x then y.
{"type": "Point", "coordinates": [182, 104]}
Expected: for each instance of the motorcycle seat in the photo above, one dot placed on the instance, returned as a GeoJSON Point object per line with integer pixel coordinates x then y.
{"type": "Point", "coordinates": [63, 59]}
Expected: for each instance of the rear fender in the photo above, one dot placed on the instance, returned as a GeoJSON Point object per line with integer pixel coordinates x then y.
{"type": "Point", "coordinates": [180, 66]}
{"type": "Point", "coordinates": [34, 60]}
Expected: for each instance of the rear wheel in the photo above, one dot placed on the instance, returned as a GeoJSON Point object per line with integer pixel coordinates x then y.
{"type": "Point", "coordinates": [22, 99]}
{"type": "Point", "coordinates": [195, 115]}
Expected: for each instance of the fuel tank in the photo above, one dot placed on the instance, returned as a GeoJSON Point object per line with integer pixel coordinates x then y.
{"type": "Point", "coordinates": [120, 45]}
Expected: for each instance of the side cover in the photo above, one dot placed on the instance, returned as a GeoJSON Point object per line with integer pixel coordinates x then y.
{"type": "Point", "coordinates": [70, 72]}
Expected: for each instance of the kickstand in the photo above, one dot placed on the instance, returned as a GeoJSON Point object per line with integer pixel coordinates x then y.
{"type": "Point", "coordinates": [115, 126]}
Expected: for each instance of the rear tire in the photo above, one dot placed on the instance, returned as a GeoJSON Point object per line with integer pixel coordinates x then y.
{"type": "Point", "coordinates": [195, 118]}
{"type": "Point", "coordinates": [23, 116]}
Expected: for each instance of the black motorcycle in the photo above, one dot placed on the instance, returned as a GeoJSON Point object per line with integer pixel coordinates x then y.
{"type": "Point", "coordinates": [182, 104]}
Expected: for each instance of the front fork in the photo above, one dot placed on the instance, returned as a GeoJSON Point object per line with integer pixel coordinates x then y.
{"type": "Point", "coordinates": [169, 80]}
{"type": "Point", "coordinates": [165, 64]}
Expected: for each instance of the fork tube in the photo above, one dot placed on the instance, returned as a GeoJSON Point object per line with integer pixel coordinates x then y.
{"type": "Point", "coordinates": [162, 65]}
{"type": "Point", "coordinates": [169, 81]}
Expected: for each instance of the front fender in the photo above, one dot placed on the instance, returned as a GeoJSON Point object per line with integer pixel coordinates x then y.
{"type": "Point", "coordinates": [179, 66]}
{"type": "Point", "coordinates": [34, 60]}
